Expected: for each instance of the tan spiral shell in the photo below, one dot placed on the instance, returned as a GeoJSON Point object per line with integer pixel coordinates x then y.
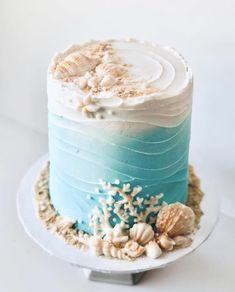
{"type": "Point", "coordinates": [74, 65]}
{"type": "Point", "coordinates": [109, 250]}
{"type": "Point", "coordinates": [175, 219]}
{"type": "Point", "coordinates": [133, 249]}
{"type": "Point", "coordinates": [142, 233]}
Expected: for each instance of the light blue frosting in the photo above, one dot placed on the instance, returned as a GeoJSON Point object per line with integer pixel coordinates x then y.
{"type": "Point", "coordinates": [81, 155]}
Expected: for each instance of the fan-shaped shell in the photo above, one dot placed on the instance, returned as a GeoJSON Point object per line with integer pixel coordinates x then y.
{"type": "Point", "coordinates": [74, 65]}
{"type": "Point", "coordinates": [175, 219]}
{"type": "Point", "coordinates": [142, 233]}
{"type": "Point", "coordinates": [110, 69]}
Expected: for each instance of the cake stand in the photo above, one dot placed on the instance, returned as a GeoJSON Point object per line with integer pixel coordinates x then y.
{"type": "Point", "coordinates": [101, 268]}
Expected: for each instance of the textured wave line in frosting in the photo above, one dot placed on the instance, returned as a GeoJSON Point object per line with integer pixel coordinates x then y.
{"type": "Point", "coordinates": [99, 142]}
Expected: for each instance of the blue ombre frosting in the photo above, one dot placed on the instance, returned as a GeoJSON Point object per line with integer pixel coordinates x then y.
{"type": "Point", "coordinates": [145, 142]}
{"type": "Point", "coordinates": [156, 160]}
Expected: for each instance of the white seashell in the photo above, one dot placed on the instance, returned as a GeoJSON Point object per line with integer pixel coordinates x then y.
{"type": "Point", "coordinates": [153, 250]}
{"type": "Point", "coordinates": [96, 245]}
{"type": "Point", "coordinates": [74, 65]}
{"type": "Point", "coordinates": [111, 69]}
{"type": "Point", "coordinates": [175, 219]}
{"type": "Point", "coordinates": [109, 250]}
{"type": "Point", "coordinates": [166, 242]}
{"type": "Point", "coordinates": [133, 249]}
{"type": "Point", "coordinates": [108, 81]}
{"type": "Point", "coordinates": [182, 241]}
{"type": "Point", "coordinates": [142, 233]}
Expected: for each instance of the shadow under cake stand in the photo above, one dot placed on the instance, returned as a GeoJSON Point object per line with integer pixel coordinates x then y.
{"type": "Point", "coordinates": [100, 268]}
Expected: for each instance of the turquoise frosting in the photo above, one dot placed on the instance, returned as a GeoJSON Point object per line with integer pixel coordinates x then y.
{"type": "Point", "coordinates": [81, 155]}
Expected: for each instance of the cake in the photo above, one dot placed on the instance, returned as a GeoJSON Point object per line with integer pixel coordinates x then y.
{"type": "Point", "coordinates": [119, 131]}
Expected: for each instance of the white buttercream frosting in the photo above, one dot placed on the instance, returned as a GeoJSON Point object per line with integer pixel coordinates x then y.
{"type": "Point", "coordinates": [153, 88]}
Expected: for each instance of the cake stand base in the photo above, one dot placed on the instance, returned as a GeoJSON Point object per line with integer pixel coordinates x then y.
{"type": "Point", "coordinates": [124, 279]}
{"type": "Point", "coordinates": [100, 268]}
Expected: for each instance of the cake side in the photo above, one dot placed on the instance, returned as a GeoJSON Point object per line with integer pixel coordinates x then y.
{"type": "Point", "coordinates": [119, 113]}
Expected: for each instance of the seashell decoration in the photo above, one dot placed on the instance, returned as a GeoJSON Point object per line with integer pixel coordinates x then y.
{"type": "Point", "coordinates": [142, 233]}
{"type": "Point", "coordinates": [175, 219]}
{"type": "Point", "coordinates": [109, 250]}
{"type": "Point", "coordinates": [153, 250]}
{"type": "Point", "coordinates": [108, 80]}
{"type": "Point", "coordinates": [74, 65]}
{"type": "Point", "coordinates": [133, 249]}
{"type": "Point", "coordinates": [182, 241]}
{"type": "Point", "coordinates": [166, 242]}
{"type": "Point", "coordinates": [118, 230]}
{"type": "Point", "coordinates": [110, 69]}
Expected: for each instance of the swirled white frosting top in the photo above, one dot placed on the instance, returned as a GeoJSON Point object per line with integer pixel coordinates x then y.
{"type": "Point", "coordinates": [121, 80]}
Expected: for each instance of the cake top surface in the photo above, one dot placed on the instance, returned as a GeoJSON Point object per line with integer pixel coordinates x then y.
{"type": "Point", "coordinates": [124, 68]}
{"type": "Point", "coordinates": [139, 81]}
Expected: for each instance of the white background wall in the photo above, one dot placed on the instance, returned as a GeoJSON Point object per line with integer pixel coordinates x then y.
{"type": "Point", "coordinates": [204, 31]}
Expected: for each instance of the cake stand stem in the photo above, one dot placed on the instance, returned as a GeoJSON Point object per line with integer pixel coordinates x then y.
{"type": "Point", "coordinates": [124, 279]}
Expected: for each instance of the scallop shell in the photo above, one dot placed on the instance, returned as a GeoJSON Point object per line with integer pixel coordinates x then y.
{"type": "Point", "coordinates": [133, 249]}
{"type": "Point", "coordinates": [108, 80]}
{"type": "Point", "coordinates": [142, 233]}
{"type": "Point", "coordinates": [175, 219]}
{"type": "Point", "coordinates": [74, 65]}
{"type": "Point", "coordinates": [153, 250]}
{"type": "Point", "coordinates": [110, 69]}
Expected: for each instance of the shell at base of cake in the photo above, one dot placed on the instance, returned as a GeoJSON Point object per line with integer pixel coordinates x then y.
{"type": "Point", "coordinates": [171, 227]}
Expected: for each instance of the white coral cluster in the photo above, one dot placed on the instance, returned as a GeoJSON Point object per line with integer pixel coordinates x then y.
{"type": "Point", "coordinates": [172, 224]}
{"type": "Point", "coordinates": [171, 228]}
{"type": "Point", "coordinates": [129, 206]}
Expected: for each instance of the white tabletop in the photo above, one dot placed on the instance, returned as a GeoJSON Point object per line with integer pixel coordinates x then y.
{"type": "Point", "coordinates": [25, 267]}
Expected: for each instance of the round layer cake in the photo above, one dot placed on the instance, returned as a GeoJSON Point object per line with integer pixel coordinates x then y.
{"type": "Point", "coordinates": [119, 131]}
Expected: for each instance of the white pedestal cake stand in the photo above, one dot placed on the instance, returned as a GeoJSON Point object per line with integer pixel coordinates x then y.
{"type": "Point", "coordinates": [100, 268]}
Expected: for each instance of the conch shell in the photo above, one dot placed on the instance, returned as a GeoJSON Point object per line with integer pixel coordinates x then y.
{"type": "Point", "coordinates": [175, 219]}
{"type": "Point", "coordinates": [153, 250]}
{"type": "Point", "coordinates": [133, 249]}
{"type": "Point", "coordinates": [109, 250]}
{"type": "Point", "coordinates": [75, 64]}
{"type": "Point", "coordinates": [166, 242]}
{"type": "Point", "coordinates": [142, 233]}
{"type": "Point", "coordinates": [99, 247]}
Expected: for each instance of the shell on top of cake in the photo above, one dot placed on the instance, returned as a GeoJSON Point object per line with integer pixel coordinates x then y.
{"type": "Point", "coordinates": [111, 79]}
